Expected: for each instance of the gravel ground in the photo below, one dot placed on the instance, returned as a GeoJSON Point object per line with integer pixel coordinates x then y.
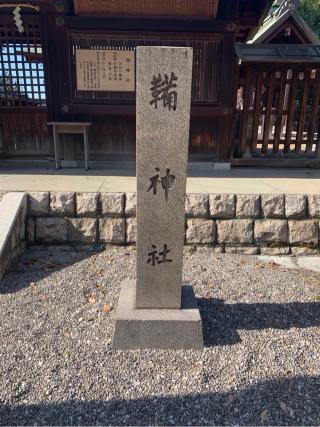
{"type": "Point", "coordinates": [260, 366]}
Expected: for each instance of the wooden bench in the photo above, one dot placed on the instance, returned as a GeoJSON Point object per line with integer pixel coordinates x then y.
{"type": "Point", "coordinates": [70, 128]}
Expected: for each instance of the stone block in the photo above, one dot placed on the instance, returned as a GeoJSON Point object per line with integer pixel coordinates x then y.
{"type": "Point", "coordinates": [131, 224]}
{"type": "Point", "coordinates": [197, 205]}
{"type": "Point", "coordinates": [303, 233]}
{"type": "Point", "coordinates": [238, 231]}
{"type": "Point", "coordinates": [271, 231]}
{"type": "Point", "coordinates": [299, 250]}
{"type": "Point", "coordinates": [273, 205]}
{"type": "Point", "coordinates": [112, 204]}
{"type": "Point", "coordinates": [31, 229]}
{"type": "Point", "coordinates": [314, 205]}
{"type": "Point", "coordinates": [222, 205]}
{"type": "Point", "coordinates": [82, 230]}
{"type": "Point", "coordinates": [200, 231]}
{"type": "Point", "coordinates": [39, 203]}
{"type": "Point", "coordinates": [62, 204]}
{"type": "Point", "coordinates": [157, 328]}
{"type": "Point", "coordinates": [131, 204]}
{"type": "Point", "coordinates": [241, 250]}
{"type": "Point", "coordinates": [296, 206]}
{"type": "Point", "coordinates": [51, 230]}
{"type": "Point", "coordinates": [112, 230]}
{"type": "Point", "coordinates": [275, 251]}
{"type": "Point", "coordinates": [248, 206]}
{"type": "Point", "coordinates": [87, 204]}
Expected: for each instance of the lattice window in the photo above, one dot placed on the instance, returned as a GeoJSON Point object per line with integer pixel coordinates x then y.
{"type": "Point", "coordinates": [22, 80]}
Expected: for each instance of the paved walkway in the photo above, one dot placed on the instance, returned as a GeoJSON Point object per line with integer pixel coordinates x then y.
{"type": "Point", "coordinates": [202, 178]}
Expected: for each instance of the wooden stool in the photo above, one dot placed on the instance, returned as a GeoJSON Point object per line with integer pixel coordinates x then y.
{"type": "Point", "coordinates": [69, 127]}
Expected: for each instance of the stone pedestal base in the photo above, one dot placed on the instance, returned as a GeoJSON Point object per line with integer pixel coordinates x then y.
{"type": "Point", "coordinates": [157, 328]}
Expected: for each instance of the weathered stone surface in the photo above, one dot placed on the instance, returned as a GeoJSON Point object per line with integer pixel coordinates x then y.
{"type": "Point", "coordinates": [112, 203]}
{"type": "Point", "coordinates": [296, 206]}
{"type": "Point", "coordinates": [314, 205]}
{"type": "Point", "coordinates": [87, 204]}
{"type": "Point", "coordinates": [197, 205]}
{"type": "Point", "coordinates": [248, 206]}
{"type": "Point", "coordinates": [62, 204]}
{"type": "Point", "coordinates": [222, 205]}
{"type": "Point", "coordinates": [131, 230]}
{"type": "Point", "coordinates": [302, 250]}
{"type": "Point", "coordinates": [112, 230]}
{"type": "Point", "coordinates": [200, 231]}
{"type": "Point", "coordinates": [271, 231]}
{"type": "Point", "coordinates": [242, 250]}
{"type": "Point", "coordinates": [161, 164]}
{"type": "Point", "coordinates": [82, 230]}
{"type": "Point", "coordinates": [280, 250]}
{"type": "Point", "coordinates": [272, 205]}
{"type": "Point", "coordinates": [235, 231]}
{"type": "Point", "coordinates": [51, 230]}
{"type": "Point", "coordinates": [131, 204]}
{"type": "Point", "coordinates": [31, 228]}
{"type": "Point", "coordinates": [157, 328]}
{"type": "Point", "coordinates": [39, 203]}
{"type": "Point", "coordinates": [303, 233]}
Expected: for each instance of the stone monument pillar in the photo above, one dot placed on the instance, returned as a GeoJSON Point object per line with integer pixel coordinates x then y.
{"type": "Point", "coordinates": [158, 311]}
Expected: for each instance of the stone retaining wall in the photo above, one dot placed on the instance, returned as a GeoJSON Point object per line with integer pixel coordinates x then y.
{"type": "Point", "coordinates": [266, 224]}
{"type": "Point", "coordinates": [13, 208]}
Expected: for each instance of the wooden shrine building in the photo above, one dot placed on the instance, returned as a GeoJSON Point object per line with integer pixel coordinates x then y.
{"type": "Point", "coordinates": [74, 61]}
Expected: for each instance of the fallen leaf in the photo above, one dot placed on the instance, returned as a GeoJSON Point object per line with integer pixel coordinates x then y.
{"type": "Point", "coordinates": [210, 285]}
{"type": "Point", "coordinates": [107, 308]}
{"type": "Point", "coordinates": [91, 300]}
{"type": "Point", "coordinates": [283, 406]}
{"type": "Point", "coordinates": [264, 415]}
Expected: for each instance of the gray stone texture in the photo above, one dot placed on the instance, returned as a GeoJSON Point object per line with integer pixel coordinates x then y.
{"type": "Point", "coordinates": [112, 230]}
{"type": "Point", "coordinates": [112, 204]}
{"type": "Point", "coordinates": [162, 144]}
{"type": "Point", "coordinates": [87, 204]}
{"type": "Point", "coordinates": [51, 230]}
{"type": "Point", "coordinates": [39, 203]}
{"type": "Point", "coordinates": [271, 231]}
{"type": "Point", "coordinates": [314, 205]}
{"type": "Point", "coordinates": [237, 231]}
{"type": "Point", "coordinates": [303, 233]}
{"type": "Point", "coordinates": [131, 224]}
{"type": "Point", "coordinates": [241, 250]}
{"type": "Point", "coordinates": [273, 205]}
{"type": "Point", "coordinates": [62, 203]}
{"type": "Point", "coordinates": [82, 230]}
{"type": "Point", "coordinates": [296, 206]}
{"type": "Point", "coordinates": [31, 228]}
{"type": "Point", "coordinates": [200, 231]}
{"type": "Point", "coordinates": [222, 205]}
{"type": "Point", "coordinates": [157, 328]}
{"type": "Point", "coordinates": [131, 204]}
{"type": "Point", "coordinates": [269, 251]}
{"type": "Point", "coordinates": [302, 250]}
{"type": "Point", "coordinates": [248, 206]}
{"type": "Point", "coordinates": [197, 205]}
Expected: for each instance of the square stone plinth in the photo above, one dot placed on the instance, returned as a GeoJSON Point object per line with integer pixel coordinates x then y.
{"type": "Point", "coordinates": [157, 328]}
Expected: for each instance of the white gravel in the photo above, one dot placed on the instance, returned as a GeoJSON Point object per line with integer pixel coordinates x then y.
{"type": "Point", "coordinates": [261, 364]}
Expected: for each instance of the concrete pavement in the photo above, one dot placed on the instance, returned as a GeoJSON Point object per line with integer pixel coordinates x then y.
{"type": "Point", "coordinates": [202, 178]}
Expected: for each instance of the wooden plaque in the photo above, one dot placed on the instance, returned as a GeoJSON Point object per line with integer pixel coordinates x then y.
{"type": "Point", "coordinates": [105, 70]}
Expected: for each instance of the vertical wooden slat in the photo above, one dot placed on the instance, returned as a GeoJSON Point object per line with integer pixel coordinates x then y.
{"type": "Point", "coordinates": [303, 109]}
{"type": "Point", "coordinates": [267, 120]}
{"type": "Point", "coordinates": [246, 107]}
{"type": "Point", "coordinates": [315, 112]}
{"type": "Point", "coordinates": [292, 106]}
{"type": "Point", "coordinates": [257, 111]}
{"type": "Point", "coordinates": [277, 134]}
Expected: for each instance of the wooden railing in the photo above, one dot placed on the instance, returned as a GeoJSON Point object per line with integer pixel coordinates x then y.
{"type": "Point", "coordinates": [278, 111]}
